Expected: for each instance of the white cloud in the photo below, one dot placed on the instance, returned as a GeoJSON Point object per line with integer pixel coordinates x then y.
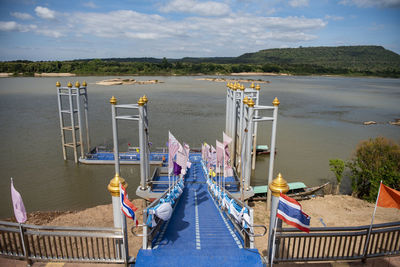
{"type": "Point", "coordinates": [49, 33]}
{"type": "Point", "coordinates": [90, 4]}
{"type": "Point", "coordinates": [209, 8]}
{"type": "Point", "coordinates": [13, 26]}
{"type": "Point", "coordinates": [333, 17]}
{"type": "Point", "coordinates": [23, 16]}
{"type": "Point", "coordinates": [45, 13]}
{"type": "Point", "coordinates": [372, 3]}
{"type": "Point", "coordinates": [298, 3]}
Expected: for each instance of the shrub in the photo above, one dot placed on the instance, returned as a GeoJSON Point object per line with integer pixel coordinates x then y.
{"type": "Point", "coordinates": [337, 167]}
{"type": "Point", "coordinates": [375, 160]}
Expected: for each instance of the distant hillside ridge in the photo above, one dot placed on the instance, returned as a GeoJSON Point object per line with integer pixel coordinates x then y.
{"type": "Point", "coordinates": [342, 60]}
{"type": "Point", "coordinates": [345, 57]}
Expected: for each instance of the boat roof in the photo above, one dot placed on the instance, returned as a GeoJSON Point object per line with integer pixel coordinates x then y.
{"type": "Point", "coordinates": [264, 188]}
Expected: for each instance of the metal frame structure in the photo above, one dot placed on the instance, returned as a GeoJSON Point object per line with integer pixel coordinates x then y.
{"type": "Point", "coordinates": [57, 243]}
{"type": "Point", "coordinates": [242, 120]}
{"type": "Point", "coordinates": [69, 105]}
{"type": "Point", "coordinates": [337, 243]}
{"type": "Point", "coordinates": [141, 118]}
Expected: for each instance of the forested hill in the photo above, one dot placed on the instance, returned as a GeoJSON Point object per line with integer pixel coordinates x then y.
{"type": "Point", "coordinates": [347, 57]}
{"type": "Point", "coordinates": [344, 60]}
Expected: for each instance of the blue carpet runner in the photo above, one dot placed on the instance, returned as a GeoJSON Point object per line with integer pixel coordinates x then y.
{"type": "Point", "coordinates": [197, 234]}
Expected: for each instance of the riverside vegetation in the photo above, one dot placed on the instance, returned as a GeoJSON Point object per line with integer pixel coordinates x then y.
{"type": "Point", "coordinates": [374, 160]}
{"type": "Point", "coordinates": [345, 60]}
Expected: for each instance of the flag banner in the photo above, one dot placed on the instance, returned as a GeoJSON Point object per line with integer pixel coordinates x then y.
{"type": "Point", "coordinates": [18, 204]}
{"type": "Point", "coordinates": [388, 197]}
{"type": "Point", "coordinates": [226, 139]}
{"type": "Point", "coordinates": [181, 157]}
{"type": "Point", "coordinates": [289, 211]}
{"type": "Point", "coordinates": [220, 152]}
{"type": "Point", "coordinates": [213, 156]}
{"type": "Point", "coordinates": [228, 171]}
{"type": "Point", "coordinates": [187, 151]}
{"type": "Point", "coordinates": [173, 147]}
{"type": "Point", "coordinates": [127, 207]}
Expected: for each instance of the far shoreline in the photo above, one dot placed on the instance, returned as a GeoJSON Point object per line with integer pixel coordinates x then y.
{"type": "Point", "coordinates": [234, 74]}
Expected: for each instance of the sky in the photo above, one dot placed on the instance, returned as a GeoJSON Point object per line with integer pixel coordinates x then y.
{"type": "Point", "coordinates": [63, 30]}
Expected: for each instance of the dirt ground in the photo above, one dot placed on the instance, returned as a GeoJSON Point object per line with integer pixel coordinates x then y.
{"type": "Point", "coordinates": [333, 210]}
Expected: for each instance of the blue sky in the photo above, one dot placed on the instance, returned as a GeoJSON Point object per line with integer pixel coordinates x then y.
{"type": "Point", "coordinates": [62, 30]}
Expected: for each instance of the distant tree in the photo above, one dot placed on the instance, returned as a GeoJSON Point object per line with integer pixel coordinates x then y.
{"type": "Point", "coordinates": [375, 160]}
{"type": "Point", "coordinates": [337, 167]}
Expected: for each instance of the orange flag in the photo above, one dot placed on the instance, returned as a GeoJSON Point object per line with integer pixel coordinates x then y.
{"type": "Point", "coordinates": [388, 197]}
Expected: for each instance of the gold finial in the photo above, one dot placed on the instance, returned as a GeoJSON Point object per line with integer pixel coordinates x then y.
{"type": "Point", "coordinates": [58, 84]}
{"type": "Point", "coordinates": [113, 100]}
{"type": "Point", "coordinates": [69, 84]}
{"type": "Point", "coordinates": [113, 186]}
{"type": "Point", "coordinates": [145, 99]}
{"type": "Point", "coordinates": [258, 87]}
{"type": "Point", "coordinates": [245, 100]}
{"type": "Point", "coordinates": [242, 87]}
{"type": "Point", "coordinates": [278, 185]}
{"type": "Point", "coordinates": [77, 84]}
{"type": "Point", "coordinates": [252, 85]}
{"type": "Point", "coordinates": [234, 86]}
{"type": "Point", "coordinates": [276, 102]}
{"type": "Point", "coordinates": [250, 103]}
{"type": "Point", "coordinates": [227, 84]}
{"type": "Point", "coordinates": [84, 84]}
{"type": "Point", "coordinates": [141, 102]}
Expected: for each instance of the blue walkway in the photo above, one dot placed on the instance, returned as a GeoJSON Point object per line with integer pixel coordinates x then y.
{"type": "Point", "coordinates": [197, 234]}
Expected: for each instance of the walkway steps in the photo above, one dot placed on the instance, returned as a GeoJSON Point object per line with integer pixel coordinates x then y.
{"type": "Point", "coordinates": [197, 234]}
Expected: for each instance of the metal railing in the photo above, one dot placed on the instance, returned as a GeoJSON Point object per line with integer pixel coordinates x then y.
{"type": "Point", "coordinates": [337, 243]}
{"type": "Point", "coordinates": [246, 234]}
{"type": "Point", "coordinates": [57, 243]}
{"type": "Point", "coordinates": [150, 233]}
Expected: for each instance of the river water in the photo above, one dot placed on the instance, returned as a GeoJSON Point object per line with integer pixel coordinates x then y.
{"type": "Point", "coordinates": [320, 118]}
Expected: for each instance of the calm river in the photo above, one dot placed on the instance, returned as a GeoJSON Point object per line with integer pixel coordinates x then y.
{"type": "Point", "coordinates": [320, 118]}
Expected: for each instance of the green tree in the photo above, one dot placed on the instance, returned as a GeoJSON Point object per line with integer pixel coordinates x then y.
{"type": "Point", "coordinates": [337, 167]}
{"type": "Point", "coordinates": [375, 160]}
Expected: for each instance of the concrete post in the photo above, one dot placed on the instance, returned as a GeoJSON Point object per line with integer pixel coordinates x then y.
{"type": "Point", "coordinates": [72, 114]}
{"type": "Point", "coordinates": [86, 108]}
{"type": "Point", "coordinates": [142, 145]}
{"type": "Point", "coordinates": [227, 108]}
{"type": "Point", "coordinates": [273, 140]}
{"type": "Point", "coordinates": [277, 186]}
{"type": "Point", "coordinates": [113, 186]}
{"type": "Point", "coordinates": [249, 141]}
{"type": "Point", "coordinates": [253, 163]}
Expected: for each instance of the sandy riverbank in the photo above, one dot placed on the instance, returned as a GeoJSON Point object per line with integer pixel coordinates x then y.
{"type": "Point", "coordinates": [120, 81]}
{"type": "Point", "coordinates": [232, 80]}
{"type": "Point", "coordinates": [334, 210]}
{"type": "Point", "coordinates": [63, 74]}
{"type": "Point", "coordinates": [259, 74]}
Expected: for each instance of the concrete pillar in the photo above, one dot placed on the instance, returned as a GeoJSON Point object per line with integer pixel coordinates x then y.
{"type": "Point", "coordinates": [277, 186]}
{"type": "Point", "coordinates": [113, 186]}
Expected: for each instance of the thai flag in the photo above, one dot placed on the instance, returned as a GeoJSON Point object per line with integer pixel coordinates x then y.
{"type": "Point", "coordinates": [127, 207]}
{"type": "Point", "coordinates": [289, 210]}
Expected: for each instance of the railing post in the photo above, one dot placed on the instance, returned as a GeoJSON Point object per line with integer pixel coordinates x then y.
{"type": "Point", "coordinates": [25, 246]}
{"type": "Point", "coordinates": [277, 186]}
{"type": "Point", "coordinates": [145, 229]}
{"type": "Point", "coordinates": [251, 214]}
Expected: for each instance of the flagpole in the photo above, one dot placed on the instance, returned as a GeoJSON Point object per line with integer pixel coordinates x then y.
{"type": "Point", "coordinates": [372, 221]}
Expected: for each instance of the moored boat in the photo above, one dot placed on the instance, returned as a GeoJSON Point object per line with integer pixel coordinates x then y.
{"type": "Point", "coordinates": [297, 190]}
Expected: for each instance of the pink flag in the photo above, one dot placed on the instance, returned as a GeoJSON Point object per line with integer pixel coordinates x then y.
{"type": "Point", "coordinates": [18, 204]}
{"type": "Point", "coordinates": [227, 140]}
{"type": "Point", "coordinates": [213, 156]}
{"type": "Point", "coordinates": [220, 152]}
{"type": "Point", "coordinates": [173, 147]}
{"type": "Point", "coordinates": [187, 151]}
